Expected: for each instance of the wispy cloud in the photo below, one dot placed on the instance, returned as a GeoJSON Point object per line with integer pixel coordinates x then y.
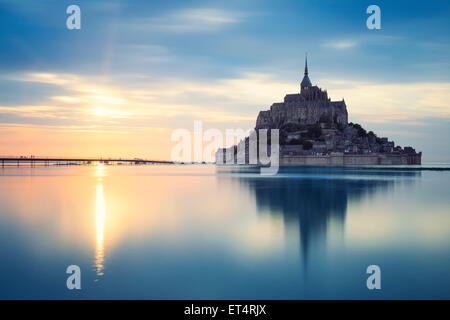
{"type": "Point", "coordinates": [353, 41]}
{"type": "Point", "coordinates": [191, 20]}
{"type": "Point", "coordinates": [141, 107]}
{"type": "Point", "coordinates": [375, 102]}
{"type": "Point", "coordinates": [233, 99]}
{"type": "Point", "coordinates": [142, 102]}
{"type": "Point", "coordinates": [340, 44]}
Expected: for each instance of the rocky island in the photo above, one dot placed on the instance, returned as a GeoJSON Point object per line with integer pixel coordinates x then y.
{"type": "Point", "coordinates": [313, 130]}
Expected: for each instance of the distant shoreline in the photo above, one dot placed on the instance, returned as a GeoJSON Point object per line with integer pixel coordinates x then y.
{"type": "Point", "coordinates": [431, 166]}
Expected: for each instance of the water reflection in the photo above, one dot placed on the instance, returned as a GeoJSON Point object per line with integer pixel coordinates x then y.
{"type": "Point", "coordinates": [100, 227]}
{"type": "Point", "coordinates": [100, 222]}
{"type": "Point", "coordinates": [314, 203]}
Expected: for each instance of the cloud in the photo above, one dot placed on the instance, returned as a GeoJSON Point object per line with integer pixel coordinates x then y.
{"type": "Point", "coordinates": [224, 100]}
{"type": "Point", "coordinates": [380, 102]}
{"type": "Point", "coordinates": [352, 41]}
{"type": "Point", "coordinates": [191, 20]}
{"type": "Point", "coordinates": [143, 102]}
{"type": "Point", "coordinates": [34, 111]}
{"type": "Point", "coordinates": [342, 44]}
{"type": "Point", "coordinates": [138, 107]}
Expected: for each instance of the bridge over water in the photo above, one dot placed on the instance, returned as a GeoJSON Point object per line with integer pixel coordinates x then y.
{"type": "Point", "coordinates": [47, 161]}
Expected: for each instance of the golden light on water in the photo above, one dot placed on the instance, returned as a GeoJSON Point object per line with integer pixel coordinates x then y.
{"type": "Point", "coordinates": [99, 167]}
{"type": "Point", "coordinates": [100, 227]}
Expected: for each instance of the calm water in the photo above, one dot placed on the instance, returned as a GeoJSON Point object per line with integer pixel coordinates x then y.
{"type": "Point", "coordinates": [188, 232]}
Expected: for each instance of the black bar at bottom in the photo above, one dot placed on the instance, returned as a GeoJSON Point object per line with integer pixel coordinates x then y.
{"type": "Point", "coordinates": [221, 309]}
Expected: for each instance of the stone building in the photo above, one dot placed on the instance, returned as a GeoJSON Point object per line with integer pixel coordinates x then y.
{"type": "Point", "coordinates": [307, 107]}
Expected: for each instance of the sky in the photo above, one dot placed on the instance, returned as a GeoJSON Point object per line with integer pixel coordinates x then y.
{"type": "Point", "coordinates": [138, 70]}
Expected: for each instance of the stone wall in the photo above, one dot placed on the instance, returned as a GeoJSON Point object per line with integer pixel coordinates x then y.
{"type": "Point", "coordinates": [352, 160]}
{"type": "Point", "coordinates": [302, 112]}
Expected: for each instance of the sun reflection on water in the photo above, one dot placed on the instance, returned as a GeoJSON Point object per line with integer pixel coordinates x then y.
{"type": "Point", "coordinates": [100, 223]}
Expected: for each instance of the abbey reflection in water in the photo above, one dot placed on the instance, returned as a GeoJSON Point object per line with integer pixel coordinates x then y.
{"type": "Point", "coordinates": [313, 198]}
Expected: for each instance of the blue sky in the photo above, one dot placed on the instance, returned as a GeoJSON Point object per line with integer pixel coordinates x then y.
{"type": "Point", "coordinates": [138, 69]}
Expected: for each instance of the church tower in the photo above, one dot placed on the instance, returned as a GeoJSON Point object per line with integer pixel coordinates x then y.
{"type": "Point", "coordinates": [306, 83]}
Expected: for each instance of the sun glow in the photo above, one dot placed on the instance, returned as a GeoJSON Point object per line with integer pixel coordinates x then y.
{"type": "Point", "coordinates": [100, 111]}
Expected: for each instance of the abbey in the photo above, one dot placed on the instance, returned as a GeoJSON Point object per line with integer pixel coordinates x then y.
{"type": "Point", "coordinates": [313, 130]}
{"type": "Point", "coordinates": [307, 107]}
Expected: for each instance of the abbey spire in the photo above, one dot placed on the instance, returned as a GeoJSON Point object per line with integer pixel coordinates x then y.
{"type": "Point", "coordinates": [306, 83]}
{"type": "Point", "coordinates": [306, 65]}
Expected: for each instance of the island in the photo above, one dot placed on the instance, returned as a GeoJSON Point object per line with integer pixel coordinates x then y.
{"type": "Point", "coordinates": [313, 130]}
